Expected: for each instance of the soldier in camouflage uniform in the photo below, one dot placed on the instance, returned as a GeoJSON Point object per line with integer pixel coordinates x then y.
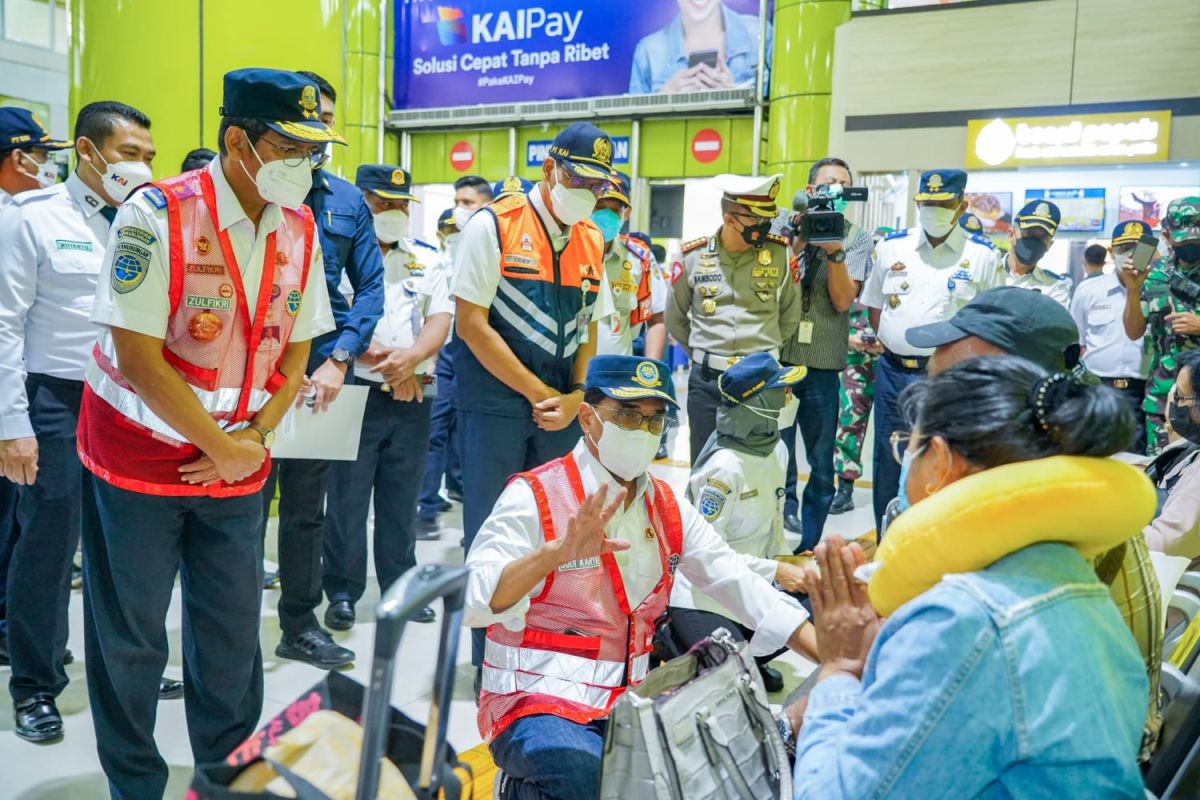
{"type": "Point", "coordinates": [1164, 312]}
{"type": "Point", "coordinates": [856, 395]}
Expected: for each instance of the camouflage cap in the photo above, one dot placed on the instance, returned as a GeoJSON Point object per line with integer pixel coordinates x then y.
{"type": "Point", "coordinates": [1182, 219]}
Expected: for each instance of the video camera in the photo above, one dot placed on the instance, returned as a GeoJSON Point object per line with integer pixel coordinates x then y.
{"type": "Point", "coordinates": [1183, 287]}
{"type": "Point", "coordinates": [821, 222]}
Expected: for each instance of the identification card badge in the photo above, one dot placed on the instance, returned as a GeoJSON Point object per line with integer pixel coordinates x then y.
{"type": "Point", "coordinates": [804, 334]}
{"type": "Point", "coordinates": [583, 324]}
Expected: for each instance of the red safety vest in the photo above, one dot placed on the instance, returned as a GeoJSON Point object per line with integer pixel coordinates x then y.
{"type": "Point", "coordinates": [226, 346]}
{"type": "Point", "coordinates": [582, 645]}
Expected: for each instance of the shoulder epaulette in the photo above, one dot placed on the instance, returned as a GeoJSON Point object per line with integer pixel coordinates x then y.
{"type": "Point", "coordinates": [508, 202]}
{"type": "Point", "coordinates": [777, 239]}
{"type": "Point", "coordinates": [34, 196]}
{"type": "Point", "coordinates": [155, 196]}
{"type": "Point", "coordinates": [979, 238]}
{"type": "Point", "coordinates": [689, 246]}
{"type": "Point", "coordinates": [425, 244]}
{"type": "Point", "coordinates": [1053, 275]}
{"type": "Point", "coordinates": [635, 246]}
{"type": "Point", "coordinates": [896, 235]}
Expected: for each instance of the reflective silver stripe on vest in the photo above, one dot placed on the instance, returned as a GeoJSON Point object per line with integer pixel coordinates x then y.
{"type": "Point", "coordinates": [520, 301]}
{"type": "Point", "coordinates": [498, 681]}
{"type": "Point", "coordinates": [127, 402]}
{"type": "Point", "coordinates": [639, 668]}
{"type": "Point", "coordinates": [576, 669]}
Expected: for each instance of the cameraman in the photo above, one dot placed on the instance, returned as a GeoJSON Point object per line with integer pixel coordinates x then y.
{"type": "Point", "coordinates": [831, 275]}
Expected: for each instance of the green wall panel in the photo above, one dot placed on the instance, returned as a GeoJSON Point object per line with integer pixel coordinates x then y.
{"type": "Point", "coordinates": [661, 148]}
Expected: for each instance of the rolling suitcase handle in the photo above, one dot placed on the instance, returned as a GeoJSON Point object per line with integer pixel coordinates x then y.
{"type": "Point", "coordinates": [413, 591]}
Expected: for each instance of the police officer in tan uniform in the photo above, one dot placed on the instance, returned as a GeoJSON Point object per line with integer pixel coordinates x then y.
{"type": "Point", "coordinates": [732, 294]}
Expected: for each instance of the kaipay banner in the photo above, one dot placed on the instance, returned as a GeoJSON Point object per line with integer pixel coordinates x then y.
{"type": "Point", "coordinates": [471, 52]}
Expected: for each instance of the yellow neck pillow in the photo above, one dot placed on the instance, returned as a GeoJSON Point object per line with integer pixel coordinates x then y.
{"type": "Point", "coordinates": [1092, 504]}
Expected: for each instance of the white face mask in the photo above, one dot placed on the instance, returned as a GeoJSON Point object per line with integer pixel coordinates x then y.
{"type": "Point", "coordinates": [571, 206]}
{"type": "Point", "coordinates": [391, 226]}
{"type": "Point", "coordinates": [120, 178]}
{"type": "Point", "coordinates": [626, 454]}
{"type": "Point", "coordinates": [461, 215]}
{"type": "Point", "coordinates": [45, 174]}
{"type": "Point", "coordinates": [1121, 260]}
{"type": "Point", "coordinates": [936, 221]}
{"type": "Point", "coordinates": [280, 184]}
{"type": "Point", "coordinates": [787, 417]}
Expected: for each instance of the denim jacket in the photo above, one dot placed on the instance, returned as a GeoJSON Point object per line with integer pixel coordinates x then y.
{"type": "Point", "coordinates": [348, 242]}
{"type": "Point", "coordinates": [659, 55]}
{"type": "Point", "coordinates": [1018, 681]}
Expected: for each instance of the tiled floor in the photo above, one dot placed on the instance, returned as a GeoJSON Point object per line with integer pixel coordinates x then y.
{"type": "Point", "coordinates": [69, 770]}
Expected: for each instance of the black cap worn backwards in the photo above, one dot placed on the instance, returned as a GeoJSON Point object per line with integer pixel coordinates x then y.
{"type": "Point", "coordinates": [1021, 322]}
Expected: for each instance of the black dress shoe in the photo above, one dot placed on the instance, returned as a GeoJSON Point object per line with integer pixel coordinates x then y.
{"type": "Point", "coordinates": [68, 657]}
{"type": "Point", "coordinates": [791, 523]}
{"type": "Point", "coordinates": [316, 647]}
{"type": "Point", "coordinates": [340, 615]}
{"type": "Point", "coordinates": [772, 679]}
{"type": "Point", "coordinates": [427, 530]}
{"type": "Point", "coordinates": [843, 499]}
{"type": "Point", "coordinates": [426, 614]}
{"type": "Point", "coordinates": [38, 719]}
{"type": "Point", "coordinates": [455, 494]}
{"type": "Point", "coordinates": [169, 689]}
{"type": "Point", "coordinates": [662, 450]}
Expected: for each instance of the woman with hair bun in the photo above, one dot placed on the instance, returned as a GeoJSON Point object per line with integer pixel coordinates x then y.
{"type": "Point", "coordinates": [1002, 668]}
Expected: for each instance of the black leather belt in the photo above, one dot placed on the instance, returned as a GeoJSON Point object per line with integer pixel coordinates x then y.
{"type": "Point", "coordinates": [906, 363]}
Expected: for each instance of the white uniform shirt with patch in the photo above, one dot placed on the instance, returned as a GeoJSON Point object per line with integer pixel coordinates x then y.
{"type": "Point", "coordinates": [615, 334]}
{"type": "Point", "coordinates": [146, 308]}
{"type": "Point", "coordinates": [914, 284]}
{"type": "Point", "coordinates": [514, 530]}
{"type": "Point", "coordinates": [1054, 286]}
{"type": "Point", "coordinates": [416, 284]}
{"type": "Point", "coordinates": [51, 253]}
{"type": "Point", "coordinates": [1098, 309]}
{"type": "Point", "coordinates": [741, 495]}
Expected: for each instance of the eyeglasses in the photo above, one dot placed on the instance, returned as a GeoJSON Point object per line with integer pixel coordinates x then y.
{"type": "Point", "coordinates": [597, 186]}
{"type": "Point", "coordinates": [900, 442]}
{"type": "Point", "coordinates": [295, 156]}
{"type": "Point", "coordinates": [1184, 401]}
{"type": "Point", "coordinates": [631, 420]}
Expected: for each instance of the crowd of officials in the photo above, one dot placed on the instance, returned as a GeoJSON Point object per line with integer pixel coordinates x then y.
{"type": "Point", "coordinates": [153, 335]}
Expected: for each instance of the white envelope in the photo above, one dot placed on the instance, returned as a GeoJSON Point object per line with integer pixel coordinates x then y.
{"type": "Point", "coordinates": [331, 435]}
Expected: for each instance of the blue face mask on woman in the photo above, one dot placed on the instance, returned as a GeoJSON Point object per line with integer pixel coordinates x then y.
{"type": "Point", "coordinates": [609, 222]}
{"type": "Point", "coordinates": [906, 463]}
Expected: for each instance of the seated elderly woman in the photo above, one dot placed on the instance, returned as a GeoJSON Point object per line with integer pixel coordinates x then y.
{"type": "Point", "coordinates": [1176, 528]}
{"type": "Point", "coordinates": [1002, 668]}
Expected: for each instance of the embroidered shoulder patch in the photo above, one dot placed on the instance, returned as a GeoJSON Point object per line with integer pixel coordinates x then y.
{"type": "Point", "coordinates": [711, 502]}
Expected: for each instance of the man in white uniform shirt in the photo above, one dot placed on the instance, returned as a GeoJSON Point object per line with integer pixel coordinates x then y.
{"type": "Point", "coordinates": [52, 247]}
{"type": "Point", "coordinates": [210, 296]}
{"type": "Point", "coordinates": [571, 572]}
{"type": "Point", "coordinates": [1108, 352]}
{"type": "Point", "coordinates": [922, 274]}
{"type": "Point", "coordinates": [397, 368]}
{"type": "Point", "coordinates": [26, 164]}
{"type": "Point", "coordinates": [1031, 236]}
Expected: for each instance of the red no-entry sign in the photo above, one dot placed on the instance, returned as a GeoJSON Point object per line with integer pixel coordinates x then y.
{"type": "Point", "coordinates": [706, 145]}
{"type": "Point", "coordinates": [462, 156]}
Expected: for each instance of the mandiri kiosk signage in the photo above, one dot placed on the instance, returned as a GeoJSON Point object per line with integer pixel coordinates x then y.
{"type": "Point", "coordinates": [1119, 138]}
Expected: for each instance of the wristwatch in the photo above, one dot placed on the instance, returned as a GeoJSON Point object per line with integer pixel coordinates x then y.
{"type": "Point", "coordinates": [578, 387]}
{"type": "Point", "coordinates": [267, 434]}
{"type": "Point", "coordinates": [342, 356]}
{"type": "Point", "coordinates": [837, 256]}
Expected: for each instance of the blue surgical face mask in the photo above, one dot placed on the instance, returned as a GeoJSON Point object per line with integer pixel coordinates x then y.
{"type": "Point", "coordinates": [906, 463]}
{"type": "Point", "coordinates": [609, 222]}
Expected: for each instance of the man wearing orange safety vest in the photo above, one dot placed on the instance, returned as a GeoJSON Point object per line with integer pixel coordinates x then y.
{"type": "Point", "coordinates": [639, 290]}
{"type": "Point", "coordinates": [529, 286]}
{"type": "Point", "coordinates": [571, 572]}
{"type": "Point", "coordinates": [211, 292]}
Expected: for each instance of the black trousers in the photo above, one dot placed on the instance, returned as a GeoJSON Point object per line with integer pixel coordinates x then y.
{"type": "Point", "coordinates": [391, 462]}
{"type": "Point", "coordinates": [689, 626]}
{"type": "Point", "coordinates": [1134, 392]}
{"type": "Point", "coordinates": [702, 401]}
{"type": "Point", "coordinates": [302, 485]}
{"type": "Point", "coordinates": [8, 538]}
{"type": "Point", "coordinates": [48, 514]}
{"type": "Point", "coordinates": [133, 547]}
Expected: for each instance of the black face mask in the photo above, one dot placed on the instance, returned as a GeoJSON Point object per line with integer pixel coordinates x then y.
{"type": "Point", "coordinates": [1188, 253]}
{"type": "Point", "coordinates": [1182, 422]}
{"type": "Point", "coordinates": [1030, 249]}
{"type": "Point", "coordinates": [756, 235]}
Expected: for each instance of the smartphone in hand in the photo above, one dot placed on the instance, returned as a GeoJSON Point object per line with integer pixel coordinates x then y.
{"type": "Point", "coordinates": [708, 57]}
{"type": "Point", "coordinates": [1145, 249]}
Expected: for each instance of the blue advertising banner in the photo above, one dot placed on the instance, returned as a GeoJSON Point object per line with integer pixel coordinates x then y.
{"type": "Point", "coordinates": [469, 52]}
{"type": "Point", "coordinates": [538, 150]}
